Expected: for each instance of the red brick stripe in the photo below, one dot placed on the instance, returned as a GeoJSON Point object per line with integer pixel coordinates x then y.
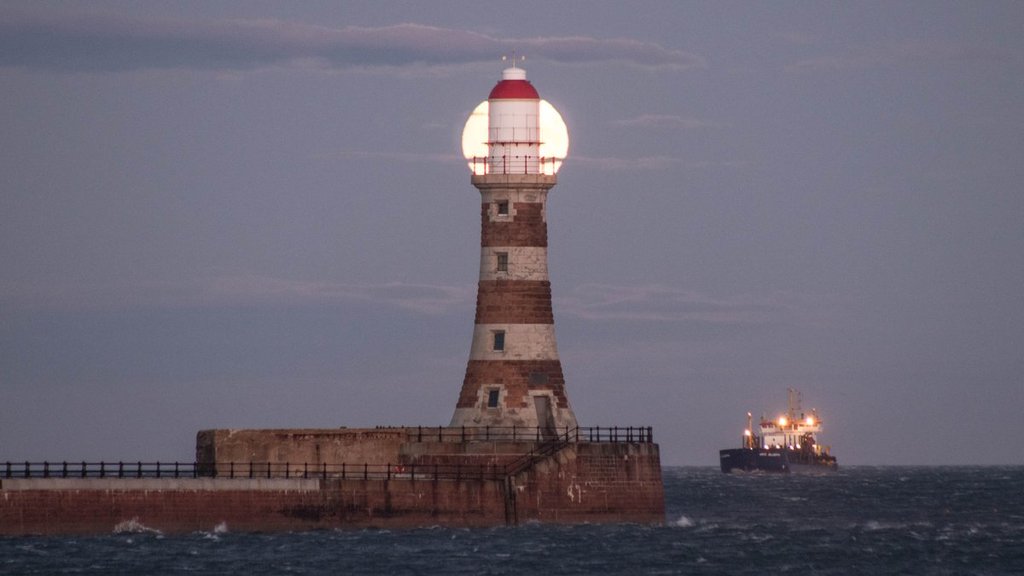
{"type": "Point", "coordinates": [526, 228]}
{"type": "Point", "coordinates": [517, 376]}
{"type": "Point", "coordinates": [514, 302]}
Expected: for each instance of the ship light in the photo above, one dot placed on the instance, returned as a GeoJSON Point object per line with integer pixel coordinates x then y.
{"type": "Point", "coordinates": [810, 420]}
{"type": "Point", "coordinates": [746, 432]}
{"type": "Point", "coordinates": [782, 421]}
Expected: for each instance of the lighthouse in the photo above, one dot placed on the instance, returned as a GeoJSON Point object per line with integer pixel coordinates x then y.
{"type": "Point", "coordinates": [514, 143]}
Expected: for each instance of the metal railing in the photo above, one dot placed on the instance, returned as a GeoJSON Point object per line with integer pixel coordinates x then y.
{"type": "Point", "coordinates": [249, 470]}
{"type": "Point", "coordinates": [539, 453]}
{"type": "Point", "coordinates": [83, 469]}
{"type": "Point", "coordinates": [628, 434]}
{"type": "Point", "coordinates": [516, 164]}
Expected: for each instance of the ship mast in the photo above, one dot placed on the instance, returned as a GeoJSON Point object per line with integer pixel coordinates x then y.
{"type": "Point", "coordinates": [793, 401]}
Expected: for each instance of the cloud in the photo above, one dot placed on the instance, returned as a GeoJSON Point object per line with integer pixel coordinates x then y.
{"type": "Point", "coordinates": [411, 157]}
{"type": "Point", "coordinates": [244, 290]}
{"type": "Point", "coordinates": [664, 121]}
{"type": "Point", "coordinates": [106, 43]}
{"type": "Point", "coordinates": [661, 303]}
{"type": "Point", "coordinates": [597, 302]}
{"type": "Point", "coordinates": [648, 163]}
{"type": "Point", "coordinates": [641, 163]}
{"type": "Point", "coordinates": [608, 163]}
{"type": "Point", "coordinates": [420, 298]}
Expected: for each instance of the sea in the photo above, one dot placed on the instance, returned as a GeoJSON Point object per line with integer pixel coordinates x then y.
{"type": "Point", "coordinates": [859, 520]}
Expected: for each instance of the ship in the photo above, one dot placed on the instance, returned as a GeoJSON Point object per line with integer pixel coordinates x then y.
{"type": "Point", "coordinates": [787, 444]}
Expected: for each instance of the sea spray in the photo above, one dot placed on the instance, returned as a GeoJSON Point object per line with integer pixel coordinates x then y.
{"type": "Point", "coordinates": [133, 526]}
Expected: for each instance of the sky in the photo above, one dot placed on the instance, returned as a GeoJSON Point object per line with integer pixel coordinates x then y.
{"type": "Point", "coordinates": [256, 215]}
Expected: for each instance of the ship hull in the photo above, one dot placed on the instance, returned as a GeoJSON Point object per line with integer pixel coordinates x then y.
{"type": "Point", "coordinates": [782, 461]}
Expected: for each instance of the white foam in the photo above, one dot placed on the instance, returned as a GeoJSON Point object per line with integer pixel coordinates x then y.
{"type": "Point", "coordinates": [684, 522]}
{"type": "Point", "coordinates": [133, 526]}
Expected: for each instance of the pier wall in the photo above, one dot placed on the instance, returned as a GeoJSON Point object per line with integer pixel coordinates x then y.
{"type": "Point", "coordinates": [373, 446]}
{"type": "Point", "coordinates": [582, 482]}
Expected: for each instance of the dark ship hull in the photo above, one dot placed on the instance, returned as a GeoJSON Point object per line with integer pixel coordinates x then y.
{"type": "Point", "coordinates": [778, 460]}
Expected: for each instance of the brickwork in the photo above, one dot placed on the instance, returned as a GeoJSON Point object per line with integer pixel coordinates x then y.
{"type": "Point", "coordinates": [526, 228]}
{"type": "Point", "coordinates": [517, 379]}
{"type": "Point", "coordinates": [514, 301]}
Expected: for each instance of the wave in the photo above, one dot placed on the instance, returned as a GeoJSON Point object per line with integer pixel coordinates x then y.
{"type": "Point", "coordinates": [684, 522]}
{"type": "Point", "coordinates": [133, 526]}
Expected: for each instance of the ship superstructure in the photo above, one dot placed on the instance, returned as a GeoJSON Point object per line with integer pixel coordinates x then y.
{"type": "Point", "coordinates": [782, 444]}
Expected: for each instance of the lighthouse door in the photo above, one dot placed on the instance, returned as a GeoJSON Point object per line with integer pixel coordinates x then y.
{"type": "Point", "coordinates": [545, 419]}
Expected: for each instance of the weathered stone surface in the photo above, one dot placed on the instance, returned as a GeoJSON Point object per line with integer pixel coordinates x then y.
{"type": "Point", "coordinates": [299, 445]}
{"type": "Point", "coordinates": [524, 263]}
{"type": "Point", "coordinates": [522, 342]}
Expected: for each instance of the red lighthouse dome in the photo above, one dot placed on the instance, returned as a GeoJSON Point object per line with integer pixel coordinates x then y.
{"type": "Point", "coordinates": [514, 86]}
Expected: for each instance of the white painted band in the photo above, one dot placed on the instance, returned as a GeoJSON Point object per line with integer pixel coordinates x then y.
{"type": "Point", "coordinates": [524, 263]}
{"type": "Point", "coordinates": [521, 342]}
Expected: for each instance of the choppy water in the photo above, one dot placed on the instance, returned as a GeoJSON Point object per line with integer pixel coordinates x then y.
{"type": "Point", "coordinates": [861, 520]}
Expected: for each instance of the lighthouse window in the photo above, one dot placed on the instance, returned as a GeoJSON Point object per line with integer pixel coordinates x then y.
{"type": "Point", "coordinates": [499, 340]}
{"type": "Point", "coordinates": [503, 208]}
{"type": "Point", "coordinates": [502, 261]}
{"type": "Point", "coordinates": [492, 398]}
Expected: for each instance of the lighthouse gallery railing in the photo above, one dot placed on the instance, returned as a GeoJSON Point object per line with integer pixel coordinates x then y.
{"type": "Point", "coordinates": [515, 165]}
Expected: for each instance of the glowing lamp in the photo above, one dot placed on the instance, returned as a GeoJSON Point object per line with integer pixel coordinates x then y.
{"type": "Point", "coordinates": [525, 127]}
